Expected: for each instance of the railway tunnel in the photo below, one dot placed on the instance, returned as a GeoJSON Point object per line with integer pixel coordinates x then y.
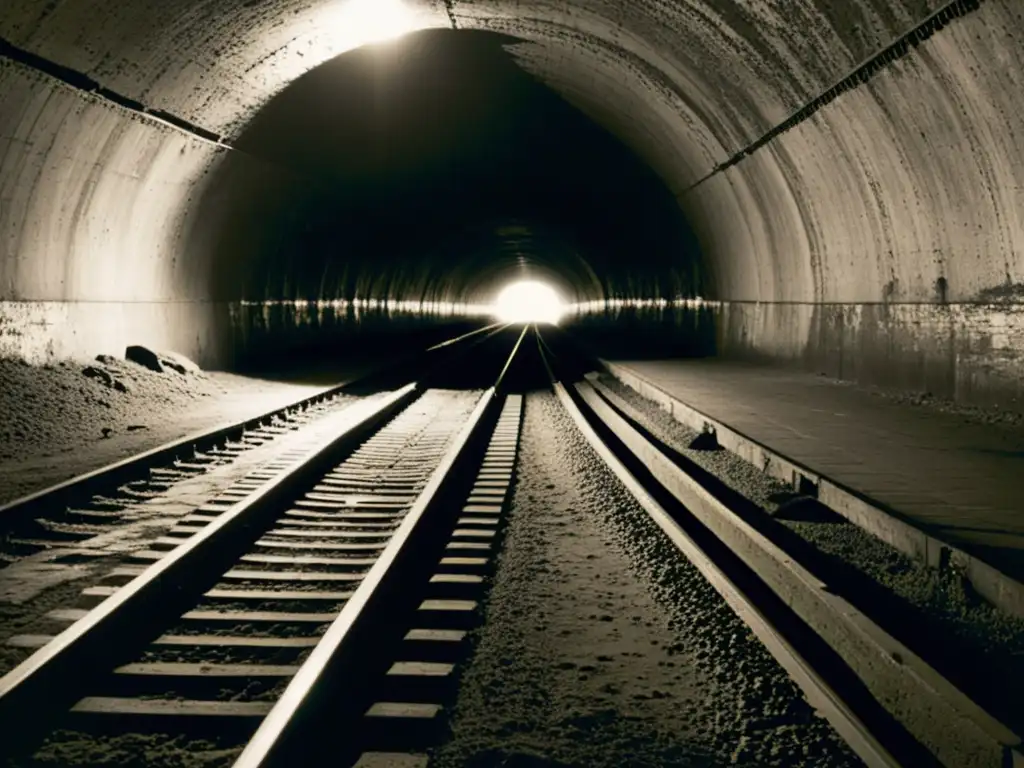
{"type": "Point", "coordinates": [837, 183]}
{"type": "Point", "coordinates": [780, 450]}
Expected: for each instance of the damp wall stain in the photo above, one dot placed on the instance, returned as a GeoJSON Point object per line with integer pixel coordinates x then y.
{"type": "Point", "coordinates": [969, 353]}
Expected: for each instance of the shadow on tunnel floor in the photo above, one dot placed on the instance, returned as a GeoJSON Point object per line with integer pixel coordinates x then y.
{"type": "Point", "coordinates": [346, 351]}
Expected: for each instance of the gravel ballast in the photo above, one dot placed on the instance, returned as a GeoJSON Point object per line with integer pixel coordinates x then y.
{"type": "Point", "coordinates": [991, 639]}
{"type": "Point", "coordinates": [412, 444]}
{"type": "Point", "coordinates": [67, 418]}
{"type": "Point", "coordinates": [151, 750]}
{"type": "Point", "coordinates": [603, 646]}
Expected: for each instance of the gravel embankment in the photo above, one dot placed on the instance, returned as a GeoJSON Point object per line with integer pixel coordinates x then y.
{"type": "Point", "coordinates": [67, 418]}
{"type": "Point", "coordinates": [990, 636]}
{"type": "Point", "coordinates": [603, 646]}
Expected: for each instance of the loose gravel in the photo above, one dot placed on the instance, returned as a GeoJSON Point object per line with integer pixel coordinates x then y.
{"type": "Point", "coordinates": [990, 635]}
{"type": "Point", "coordinates": [222, 654]}
{"type": "Point", "coordinates": [149, 750]}
{"type": "Point", "coordinates": [603, 646]}
{"type": "Point", "coordinates": [67, 418]}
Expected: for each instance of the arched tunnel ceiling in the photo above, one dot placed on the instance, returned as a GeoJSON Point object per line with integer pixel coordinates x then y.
{"type": "Point", "coordinates": [402, 148]}
{"type": "Point", "coordinates": [814, 164]}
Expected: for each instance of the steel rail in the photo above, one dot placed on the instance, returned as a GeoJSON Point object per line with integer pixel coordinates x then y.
{"type": "Point", "coordinates": [511, 357]}
{"type": "Point", "coordinates": [902, 699]}
{"type": "Point", "coordinates": [463, 337]}
{"type": "Point", "coordinates": [970, 736]}
{"type": "Point", "coordinates": [111, 476]}
{"type": "Point", "coordinates": [819, 692]}
{"type": "Point", "coordinates": [280, 735]}
{"type": "Point", "coordinates": [50, 680]}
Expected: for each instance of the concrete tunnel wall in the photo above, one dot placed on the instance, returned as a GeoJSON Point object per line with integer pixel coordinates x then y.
{"type": "Point", "coordinates": [874, 234]}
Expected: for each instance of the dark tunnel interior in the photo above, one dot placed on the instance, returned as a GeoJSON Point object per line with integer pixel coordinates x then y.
{"type": "Point", "coordinates": [745, 491]}
{"type": "Point", "coordinates": [230, 180]}
{"type": "Point", "coordinates": [435, 169]}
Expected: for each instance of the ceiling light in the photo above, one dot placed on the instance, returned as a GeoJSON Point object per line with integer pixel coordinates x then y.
{"type": "Point", "coordinates": [374, 21]}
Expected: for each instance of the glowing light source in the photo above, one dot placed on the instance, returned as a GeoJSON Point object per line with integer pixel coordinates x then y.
{"type": "Point", "coordinates": [529, 301]}
{"type": "Point", "coordinates": [375, 21]}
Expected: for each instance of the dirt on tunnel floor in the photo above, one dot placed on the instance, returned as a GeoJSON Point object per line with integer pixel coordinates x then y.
{"type": "Point", "coordinates": [66, 418]}
{"type": "Point", "coordinates": [603, 646]}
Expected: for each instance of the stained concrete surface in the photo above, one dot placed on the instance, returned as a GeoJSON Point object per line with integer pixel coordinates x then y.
{"type": "Point", "coordinates": [901, 187]}
{"type": "Point", "coordinates": [948, 471]}
{"type": "Point", "coordinates": [969, 353]}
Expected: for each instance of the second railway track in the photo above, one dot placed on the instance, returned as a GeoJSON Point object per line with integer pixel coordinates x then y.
{"type": "Point", "coordinates": [205, 628]}
{"type": "Point", "coordinates": [97, 501]}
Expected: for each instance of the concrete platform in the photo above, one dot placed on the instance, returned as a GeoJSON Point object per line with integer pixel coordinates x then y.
{"type": "Point", "coordinates": [957, 480]}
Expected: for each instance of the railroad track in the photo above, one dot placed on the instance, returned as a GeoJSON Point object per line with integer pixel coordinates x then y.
{"type": "Point", "coordinates": [100, 501]}
{"type": "Point", "coordinates": [362, 540]}
{"type": "Point", "coordinates": [889, 704]}
{"type": "Point", "coordinates": [320, 613]}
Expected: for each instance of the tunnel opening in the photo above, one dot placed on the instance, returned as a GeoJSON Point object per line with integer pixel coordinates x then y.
{"type": "Point", "coordinates": [528, 301]}
{"type": "Point", "coordinates": [825, 178]}
{"type": "Point", "coordinates": [425, 171]}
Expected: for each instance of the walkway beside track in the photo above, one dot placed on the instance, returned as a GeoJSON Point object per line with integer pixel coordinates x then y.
{"type": "Point", "coordinates": [960, 482]}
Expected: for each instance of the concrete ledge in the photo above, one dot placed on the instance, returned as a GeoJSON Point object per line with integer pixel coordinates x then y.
{"type": "Point", "coordinates": [874, 517]}
{"type": "Point", "coordinates": [941, 717]}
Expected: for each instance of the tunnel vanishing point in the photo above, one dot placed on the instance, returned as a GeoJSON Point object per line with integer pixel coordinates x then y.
{"type": "Point", "coordinates": [840, 181]}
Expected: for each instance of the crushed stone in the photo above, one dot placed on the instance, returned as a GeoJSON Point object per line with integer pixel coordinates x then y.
{"type": "Point", "coordinates": [67, 748]}
{"type": "Point", "coordinates": [992, 635]}
{"type": "Point", "coordinates": [66, 418]}
{"type": "Point", "coordinates": [604, 646]}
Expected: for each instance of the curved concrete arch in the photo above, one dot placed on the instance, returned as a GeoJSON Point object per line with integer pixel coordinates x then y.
{"type": "Point", "coordinates": [876, 213]}
{"type": "Point", "coordinates": [335, 126]}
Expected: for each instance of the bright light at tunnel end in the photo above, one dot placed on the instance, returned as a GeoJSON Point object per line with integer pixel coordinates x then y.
{"type": "Point", "coordinates": [529, 301]}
